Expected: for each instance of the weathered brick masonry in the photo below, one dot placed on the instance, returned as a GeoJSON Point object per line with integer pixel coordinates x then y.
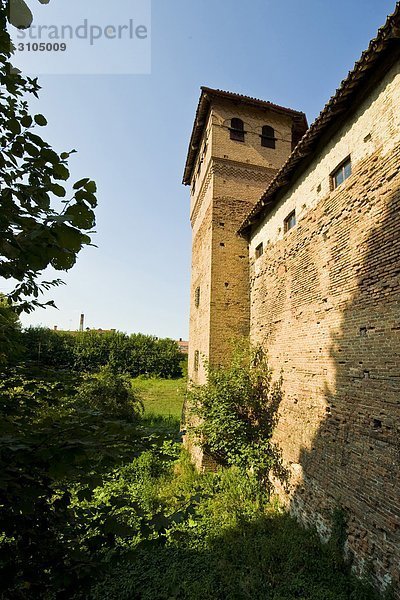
{"type": "Point", "coordinates": [227, 178]}
{"type": "Point", "coordinates": [326, 303]}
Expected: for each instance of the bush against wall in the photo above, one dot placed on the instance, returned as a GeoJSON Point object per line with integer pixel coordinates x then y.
{"type": "Point", "coordinates": [137, 354]}
{"type": "Point", "coordinates": [234, 415]}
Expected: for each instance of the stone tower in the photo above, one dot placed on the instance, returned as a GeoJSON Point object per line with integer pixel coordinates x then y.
{"type": "Point", "coordinates": [237, 146]}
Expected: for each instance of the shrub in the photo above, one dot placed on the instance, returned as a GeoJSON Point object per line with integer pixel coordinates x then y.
{"type": "Point", "coordinates": [221, 543]}
{"type": "Point", "coordinates": [233, 416]}
{"type": "Point", "coordinates": [110, 393]}
{"type": "Point", "coordinates": [74, 481]}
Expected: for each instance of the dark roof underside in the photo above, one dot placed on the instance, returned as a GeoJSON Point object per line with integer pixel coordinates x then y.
{"type": "Point", "coordinates": [384, 46]}
{"type": "Point", "coordinates": [203, 108]}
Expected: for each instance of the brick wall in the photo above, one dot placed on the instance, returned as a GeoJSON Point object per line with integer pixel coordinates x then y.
{"type": "Point", "coordinates": [325, 302]}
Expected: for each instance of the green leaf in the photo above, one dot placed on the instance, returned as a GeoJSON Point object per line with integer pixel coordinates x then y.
{"type": "Point", "coordinates": [160, 522]}
{"type": "Point", "coordinates": [60, 172]}
{"type": "Point", "coordinates": [26, 121]}
{"type": "Point", "coordinates": [63, 260]}
{"type": "Point", "coordinates": [17, 150]}
{"type": "Point", "coordinates": [112, 525]}
{"type": "Point", "coordinates": [81, 183]}
{"type": "Point", "coordinates": [20, 15]}
{"type": "Point", "coordinates": [91, 187]}
{"type": "Point", "coordinates": [35, 139]}
{"type": "Point", "coordinates": [14, 126]}
{"type": "Point", "coordinates": [68, 237]}
{"type": "Point", "coordinates": [82, 195]}
{"type": "Point", "coordinates": [40, 120]}
{"type": "Point", "coordinates": [85, 494]}
{"type": "Point", "coordinates": [58, 190]}
{"type": "Point", "coordinates": [32, 150]}
{"type": "Point", "coordinates": [50, 156]}
{"type": "Point", "coordinates": [81, 216]}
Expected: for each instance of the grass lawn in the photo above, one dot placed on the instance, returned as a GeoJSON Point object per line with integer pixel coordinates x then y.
{"type": "Point", "coordinates": [162, 397]}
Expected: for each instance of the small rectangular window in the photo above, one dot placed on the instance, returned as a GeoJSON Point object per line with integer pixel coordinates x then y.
{"type": "Point", "coordinates": [196, 360]}
{"type": "Point", "coordinates": [197, 297]}
{"type": "Point", "coordinates": [290, 221]}
{"type": "Point", "coordinates": [259, 250]}
{"type": "Point", "coordinates": [342, 172]}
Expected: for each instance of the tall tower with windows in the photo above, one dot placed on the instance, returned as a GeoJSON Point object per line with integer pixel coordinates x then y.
{"type": "Point", "coordinates": [237, 146]}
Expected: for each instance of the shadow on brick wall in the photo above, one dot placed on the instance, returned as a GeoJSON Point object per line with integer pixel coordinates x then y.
{"type": "Point", "coordinates": [355, 456]}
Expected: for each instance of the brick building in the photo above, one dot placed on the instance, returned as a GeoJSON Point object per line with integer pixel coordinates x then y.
{"type": "Point", "coordinates": [296, 243]}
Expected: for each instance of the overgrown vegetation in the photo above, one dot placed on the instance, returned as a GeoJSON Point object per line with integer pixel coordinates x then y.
{"type": "Point", "coordinates": [99, 501]}
{"type": "Point", "coordinates": [136, 354]}
{"type": "Point", "coordinates": [110, 394]}
{"type": "Point", "coordinates": [57, 455]}
{"type": "Point", "coordinates": [234, 415]}
{"type": "Point", "coordinates": [224, 543]}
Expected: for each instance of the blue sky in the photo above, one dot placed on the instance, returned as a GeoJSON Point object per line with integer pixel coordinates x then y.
{"type": "Point", "coordinates": [132, 131]}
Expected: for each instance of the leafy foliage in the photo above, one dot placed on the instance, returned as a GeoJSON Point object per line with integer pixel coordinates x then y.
{"type": "Point", "coordinates": [223, 543]}
{"type": "Point", "coordinates": [55, 452]}
{"type": "Point", "coordinates": [10, 332]}
{"type": "Point", "coordinates": [20, 15]}
{"type": "Point", "coordinates": [136, 354]}
{"type": "Point", "coordinates": [111, 394]}
{"type": "Point", "coordinates": [36, 231]}
{"type": "Point", "coordinates": [97, 506]}
{"type": "Point", "coordinates": [233, 416]}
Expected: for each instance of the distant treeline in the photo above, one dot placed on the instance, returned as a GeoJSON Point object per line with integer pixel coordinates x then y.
{"type": "Point", "coordinates": [136, 354]}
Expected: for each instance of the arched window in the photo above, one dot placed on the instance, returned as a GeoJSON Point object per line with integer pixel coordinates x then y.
{"type": "Point", "coordinates": [268, 137]}
{"type": "Point", "coordinates": [237, 130]}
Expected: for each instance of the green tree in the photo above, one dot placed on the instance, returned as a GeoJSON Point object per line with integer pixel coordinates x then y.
{"type": "Point", "coordinates": [137, 354]}
{"type": "Point", "coordinates": [39, 226]}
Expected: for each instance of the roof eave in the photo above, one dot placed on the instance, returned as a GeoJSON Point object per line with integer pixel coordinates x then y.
{"type": "Point", "coordinates": [201, 116]}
